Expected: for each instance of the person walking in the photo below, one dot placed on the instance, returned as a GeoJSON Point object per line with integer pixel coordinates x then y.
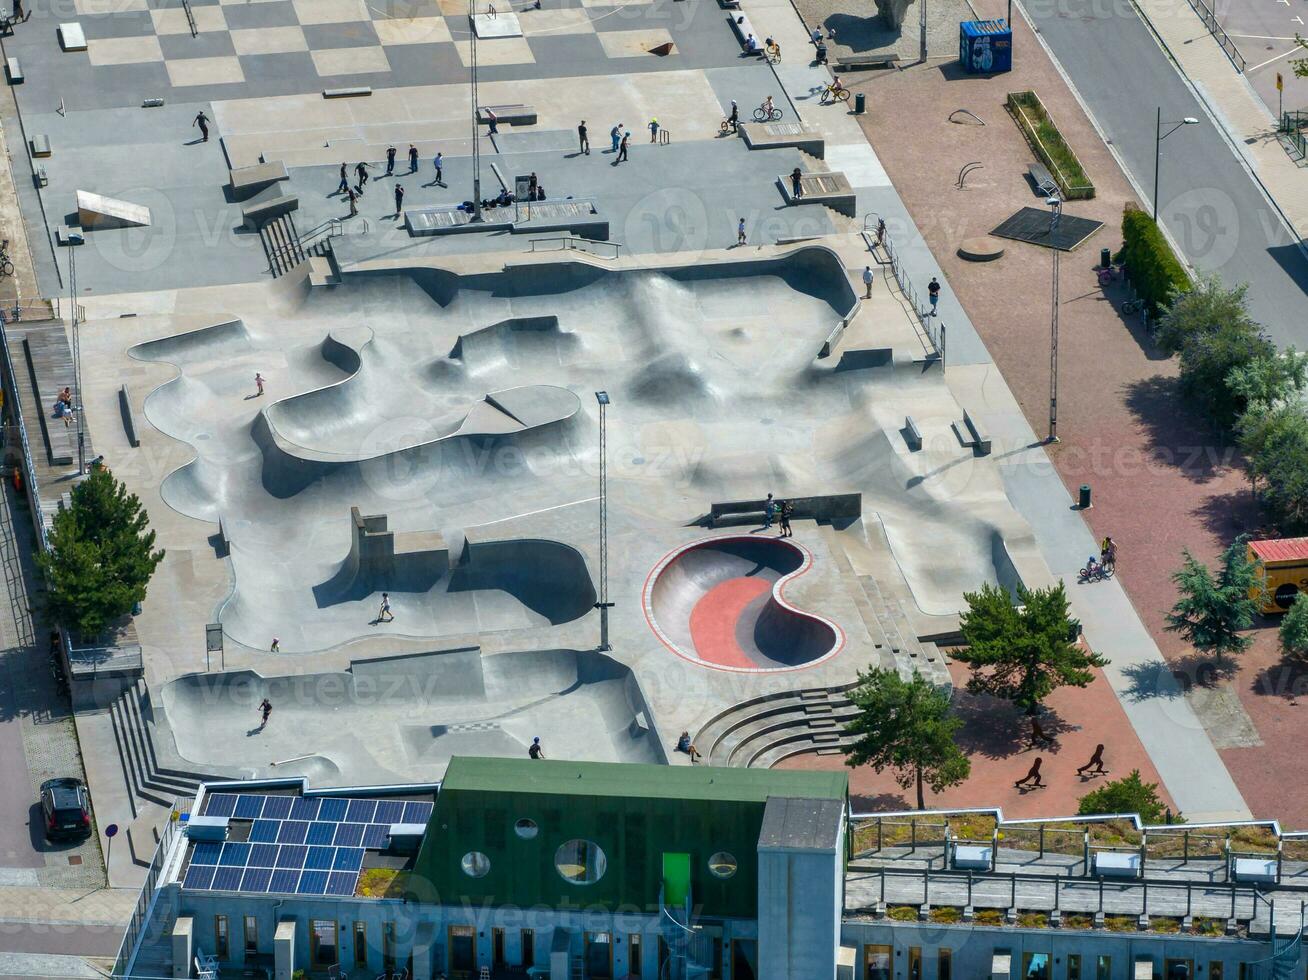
{"type": "Point", "coordinates": [653, 130]}
{"type": "Point", "coordinates": [734, 118]}
{"type": "Point", "coordinates": [933, 294]}
{"type": "Point", "coordinates": [344, 185]}
{"type": "Point", "coordinates": [1108, 553]}
{"type": "Point", "coordinates": [868, 278]}
{"type": "Point", "coordinates": [622, 147]}
{"type": "Point", "coordinates": [787, 508]}
{"type": "Point", "coordinates": [769, 511]}
{"type": "Point", "coordinates": [354, 201]}
{"type": "Point", "coordinates": [1032, 774]}
{"type": "Point", "coordinates": [399, 200]}
{"type": "Point", "coordinates": [18, 11]}
{"type": "Point", "coordinates": [740, 232]}
{"type": "Point", "coordinates": [615, 134]}
{"type": "Point", "coordinates": [583, 141]}
{"type": "Point", "coordinates": [439, 162]}
{"type": "Point", "coordinates": [265, 710]}
{"type": "Point", "coordinates": [361, 169]}
{"type": "Point", "coordinates": [535, 751]}
{"type": "Point", "coordinates": [276, 646]}
{"type": "Point", "coordinates": [1095, 766]}
{"type": "Point", "coordinates": [384, 615]}
{"type": "Point", "coordinates": [796, 186]}
{"type": "Point", "coordinates": [390, 161]}
{"type": "Point", "coordinates": [258, 384]}
{"type": "Point", "coordinates": [413, 159]}
{"type": "Point", "coordinates": [202, 121]}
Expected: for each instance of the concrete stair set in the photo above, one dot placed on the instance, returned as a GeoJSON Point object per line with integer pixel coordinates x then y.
{"type": "Point", "coordinates": [146, 779]}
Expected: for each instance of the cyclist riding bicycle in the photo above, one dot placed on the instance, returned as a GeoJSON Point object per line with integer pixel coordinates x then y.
{"type": "Point", "coordinates": [1092, 567]}
{"type": "Point", "coordinates": [834, 89]}
{"type": "Point", "coordinates": [768, 108]}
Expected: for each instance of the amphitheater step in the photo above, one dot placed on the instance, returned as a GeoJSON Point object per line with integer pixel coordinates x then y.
{"type": "Point", "coordinates": [752, 727]}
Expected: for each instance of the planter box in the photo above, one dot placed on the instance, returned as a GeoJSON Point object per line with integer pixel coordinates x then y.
{"type": "Point", "coordinates": [1029, 113]}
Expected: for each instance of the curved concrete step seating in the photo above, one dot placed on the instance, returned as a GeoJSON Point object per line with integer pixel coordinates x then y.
{"type": "Point", "coordinates": [146, 779]}
{"type": "Point", "coordinates": [804, 720]}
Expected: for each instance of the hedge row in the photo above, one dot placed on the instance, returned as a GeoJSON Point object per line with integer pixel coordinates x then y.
{"type": "Point", "coordinates": [1153, 267]}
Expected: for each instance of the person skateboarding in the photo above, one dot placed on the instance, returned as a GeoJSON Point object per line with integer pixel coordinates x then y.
{"type": "Point", "coordinates": [265, 711]}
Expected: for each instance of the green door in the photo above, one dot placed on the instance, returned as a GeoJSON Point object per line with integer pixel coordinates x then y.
{"type": "Point", "coordinates": [676, 878]}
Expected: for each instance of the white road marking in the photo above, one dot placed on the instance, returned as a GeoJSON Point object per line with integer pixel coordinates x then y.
{"type": "Point", "coordinates": [1283, 54]}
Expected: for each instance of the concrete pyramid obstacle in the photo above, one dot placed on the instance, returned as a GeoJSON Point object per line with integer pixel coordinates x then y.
{"type": "Point", "coordinates": [98, 212]}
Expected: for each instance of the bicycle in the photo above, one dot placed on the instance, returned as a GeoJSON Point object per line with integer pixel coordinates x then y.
{"type": "Point", "coordinates": [1110, 273]}
{"type": "Point", "coordinates": [6, 266]}
{"type": "Point", "coordinates": [835, 94]}
{"type": "Point", "coordinates": [761, 114]}
{"type": "Point", "coordinates": [774, 53]}
{"type": "Point", "coordinates": [1095, 571]}
{"type": "Point", "coordinates": [1133, 306]}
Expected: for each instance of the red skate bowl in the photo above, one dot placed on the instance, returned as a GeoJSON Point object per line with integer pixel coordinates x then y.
{"type": "Point", "coordinates": [720, 603]}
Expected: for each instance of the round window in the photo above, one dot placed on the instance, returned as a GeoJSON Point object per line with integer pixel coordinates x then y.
{"type": "Point", "coordinates": [526, 828]}
{"type": "Point", "coordinates": [580, 862]}
{"type": "Point", "coordinates": [722, 864]}
{"type": "Point", "coordinates": [475, 864]}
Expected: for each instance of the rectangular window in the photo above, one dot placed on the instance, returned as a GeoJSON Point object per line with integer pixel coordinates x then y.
{"type": "Point", "coordinates": [944, 964]}
{"type": "Point", "coordinates": [1214, 970]}
{"type": "Point", "coordinates": [1074, 966]}
{"type": "Point", "coordinates": [388, 946]}
{"type": "Point", "coordinates": [322, 942]}
{"type": "Point", "coordinates": [599, 956]}
{"type": "Point", "coordinates": [876, 963]}
{"type": "Point", "coordinates": [1177, 969]}
{"type": "Point", "coordinates": [360, 944]}
{"type": "Point", "coordinates": [633, 954]}
{"type": "Point", "coordinates": [915, 963]}
{"type": "Point", "coordinates": [463, 949]}
{"type": "Point", "coordinates": [221, 944]}
{"type": "Point", "coordinates": [1103, 968]}
{"type": "Point", "coordinates": [1246, 972]}
{"type": "Point", "coordinates": [251, 935]}
{"type": "Point", "coordinates": [528, 947]}
{"type": "Point", "coordinates": [1035, 966]}
{"type": "Point", "coordinates": [497, 948]}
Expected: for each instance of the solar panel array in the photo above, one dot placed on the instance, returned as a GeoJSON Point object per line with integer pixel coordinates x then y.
{"type": "Point", "coordinates": [298, 845]}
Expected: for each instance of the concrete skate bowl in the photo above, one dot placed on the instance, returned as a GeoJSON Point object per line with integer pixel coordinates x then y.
{"type": "Point", "coordinates": [720, 603]}
{"type": "Point", "coordinates": [403, 718]}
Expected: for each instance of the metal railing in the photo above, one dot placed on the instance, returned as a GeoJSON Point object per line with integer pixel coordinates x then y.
{"type": "Point", "coordinates": [145, 901]}
{"type": "Point", "coordinates": [190, 18]}
{"type": "Point", "coordinates": [29, 469]}
{"type": "Point", "coordinates": [1219, 34]}
{"type": "Point", "coordinates": [332, 228]}
{"type": "Point", "coordinates": [568, 243]}
{"type": "Point", "coordinates": [1293, 126]}
{"type": "Point", "coordinates": [935, 332]}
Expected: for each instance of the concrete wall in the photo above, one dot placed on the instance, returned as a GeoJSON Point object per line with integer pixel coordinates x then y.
{"type": "Point", "coordinates": [972, 949]}
{"type": "Point", "coordinates": [800, 894]}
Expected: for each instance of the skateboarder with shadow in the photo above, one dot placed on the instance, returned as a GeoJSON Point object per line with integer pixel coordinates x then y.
{"type": "Point", "coordinates": [1095, 766]}
{"type": "Point", "coordinates": [1032, 774]}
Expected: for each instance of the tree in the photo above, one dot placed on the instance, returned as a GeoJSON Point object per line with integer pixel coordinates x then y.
{"type": "Point", "coordinates": [1023, 654]}
{"type": "Point", "coordinates": [1130, 794]}
{"type": "Point", "coordinates": [101, 556]}
{"type": "Point", "coordinates": [1275, 445]}
{"type": "Point", "coordinates": [1212, 610]}
{"type": "Point", "coordinates": [908, 728]}
{"type": "Point", "coordinates": [1300, 65]}
{"type": "Point", "coordinates": [1294, 629]}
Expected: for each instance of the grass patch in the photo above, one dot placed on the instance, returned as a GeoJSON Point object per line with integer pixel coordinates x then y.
{"type": "Point", "coordinates": [1078, 920]}
{"type": "Point", "coordinates": [902, 913]}
{"type": "Point", "coordinates": [989, 917]}
{"type": "Point", "coordinates": [1048, 144]}
{"type": "Point", "coordinates": [1164, 923]}
{"type": "Point", "coordinates": [1120, 923]}
{"type": "Point", "coordinates": [381, 883]}
{"type": "Point", "coordinates": [947, 914]}
{"type": "Point", "coordinates": [1033, 920]}
{"type": "Point", "coordinates": [1204, 926]}
{"type": "Point", "coordinates": [1260, 840]}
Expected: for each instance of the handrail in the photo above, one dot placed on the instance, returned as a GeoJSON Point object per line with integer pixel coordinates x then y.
{"type": "Point", "coordinates": [190, 18]}
{"type": "Point", "coordinates": [934, 332]}
{"type": "Point", "coordinates": [1219, 34]}
{"type": "Point", "coordinates": [145, 901]}
{"type": "Point", "coordinates": [333, 228]}
{"type": "Point", "coordinates": [33, 489]}
{"type": "Point", "coordinates": [577, 243]}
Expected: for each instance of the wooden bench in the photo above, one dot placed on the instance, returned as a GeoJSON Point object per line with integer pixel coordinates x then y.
{"type": "Point", "coordinates": [912, 434]}
{"type": "Point", "coordinates": [256, 214]}
{"type": "Point", "coordinates": [872, 59]}
{"type": "Point", "coordinates": [246, 180]}
{"type": "Point", "coordinates": [129, 417]}
{"type": "Point", "coordinates": [510, 115]}
{"type": "Point", "coordinates": [744, 31]}
{"type": "Point", "coordinates": [1043, 179]}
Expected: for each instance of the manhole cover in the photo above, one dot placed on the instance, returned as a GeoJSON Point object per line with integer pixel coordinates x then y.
{"type": "Point", "coordinates": [74, 859]}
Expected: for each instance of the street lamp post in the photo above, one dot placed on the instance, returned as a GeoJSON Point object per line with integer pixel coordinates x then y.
{"type": "Point", "coordinates": [80, 409]}
{"type": "Point", "coordinates": [1056, 203]}
{"type": "Point", "coordinates": [1159, 136]}
{"type": "Point", "coordinates": [603, 605]}
{"type": "Point", "coordinates": [476, 134]}
{"type": "Point", "coordinates": [922, 31]}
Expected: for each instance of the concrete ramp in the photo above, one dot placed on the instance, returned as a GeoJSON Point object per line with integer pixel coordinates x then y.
{"type": "Point", "coordinates": [95, 211]}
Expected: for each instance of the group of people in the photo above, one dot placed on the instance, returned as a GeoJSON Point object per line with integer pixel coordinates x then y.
{"type": "Point", "coordinates": [1107, 560]}
{"type": "Point", "coordinates": [779, 510]}
{"type": "Point", "coordinates": [63, 406]}
{"type": "Point", "coordinates": [353, 192]}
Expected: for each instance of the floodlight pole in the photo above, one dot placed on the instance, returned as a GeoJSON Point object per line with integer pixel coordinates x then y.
{"type": "Point", "coordinates": [1055, 202]}
{"type": "Point", "coordinates": [79, 410]}
{"type": "Point", "coordinates": [476, 133]}
{"type": "Point", "coordinates": [922, 30]}
{"type": "Point", "coordinates": [603, 605]}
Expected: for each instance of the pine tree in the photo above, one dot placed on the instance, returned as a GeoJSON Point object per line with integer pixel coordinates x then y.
{"type": "Point", "coordinates": [1213, 609]}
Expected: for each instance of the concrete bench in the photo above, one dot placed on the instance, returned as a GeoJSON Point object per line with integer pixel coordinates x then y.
{"type": "Point", "coordinates": [246, 180]}
{"type": "Point", "coordinates": [972, 857]}
{"type": "Point", "coordinates": [980, 437]}
{"type": "Point", "coordinates": [826, 507]}
{"type": "Point", "coordinates": [729, 4]}
{"type": "Point", "coordinates": [1043, 179]}
{"type": "Point", "coordinates": [1259, 870]}
{"type": "Point", "coordinates": [744, 31]}
{"type": "Point", "coordinates": [72, 37]}
{"type": "Point", "coordinates": [871, 59]}
{"type": "Point", "coordinates": [40, 144]}
{"type": "Point", "coordinates": [129, 417]}
{"type": "Point", "coordinates": [14, 70]}
{"type": "Point", "coordinates": [912, 434]}
{"type": "Point", "coordinates": [256, 214]}
{"type": "Point", "coordinates": [351, 92]}
{"type": "Point", "coordinates": [1116, 864]}
{"type": "Point", "coordinates": [509, 115]}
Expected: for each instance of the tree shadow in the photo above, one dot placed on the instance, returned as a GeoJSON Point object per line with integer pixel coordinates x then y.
{"type": "Point", "coordinates": [994, 729]}
{"type": "Point", "coordinates": [881, 802]}
{"type": "Point", "coordinates": [1228, 515]}
{"type": "Point", "coordinates": [1179, 439]}
{"type": "Point", "coordinates": [1287, 680]}
{"type": "Point", "coordinates": [1175, 678]}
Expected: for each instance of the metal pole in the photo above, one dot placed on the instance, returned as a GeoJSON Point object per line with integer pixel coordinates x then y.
{"type": "Point", "coordinates": [604, 526]}
{"type": "Point", "coordinates": [476, 134]}
{"type": "Point", "coordinates": [1053, 322]}
{"type": "Point", "coordinates": [922, 27]}
{"type": "Point", "coordinates": [77, 360]}
{"type": "Point", "coordinates": [1158, 153]}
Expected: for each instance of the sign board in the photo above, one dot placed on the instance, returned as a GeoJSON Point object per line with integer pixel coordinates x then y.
{"type": "Point", "coordinates": [1280, 82]}
{"type": "Point", "coordinates": [213, 638]}
{"type": "Point", "coordinates": [111, 830]}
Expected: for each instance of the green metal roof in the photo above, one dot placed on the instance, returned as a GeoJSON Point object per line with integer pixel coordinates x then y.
{"type": "Point", "coordinates": [623, 779]}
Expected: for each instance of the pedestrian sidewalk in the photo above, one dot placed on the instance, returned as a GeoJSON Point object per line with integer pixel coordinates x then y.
{"type": "Point", "coordinates": [1235, 106]}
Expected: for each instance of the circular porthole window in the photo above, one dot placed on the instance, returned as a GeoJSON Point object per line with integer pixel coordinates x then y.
{"type": "Point", "coordinates": [722, 864]}
{"type": "Point", "coordinates": [475, 864]}
{"type": "Point", "coordinates": [580, 862]}
{"type": "Point", "coordinates": [526, 828]}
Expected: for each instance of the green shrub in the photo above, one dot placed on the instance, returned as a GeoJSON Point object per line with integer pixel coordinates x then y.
{"type": "Point", "coordinates": [1155, 270]}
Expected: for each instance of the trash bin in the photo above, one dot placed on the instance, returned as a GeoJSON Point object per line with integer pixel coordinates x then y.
{"type": "Point", "coordinates": [1105, 258]}
{"type": "Point", "coordinates": [1084, 503]}
{"type": "Point", "coordinates": [860, 103]}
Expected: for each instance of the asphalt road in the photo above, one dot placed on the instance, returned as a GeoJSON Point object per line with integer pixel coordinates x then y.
{"type": "Point", "coordinates": [1263, 31]}
{"type": "Point", "coordinates": [1209, 203]}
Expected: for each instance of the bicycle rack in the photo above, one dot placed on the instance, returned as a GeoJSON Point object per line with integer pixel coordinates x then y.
{"type": "Point", "coordinates": [664, 137]}
{"type": "Point", "coordinates": [967, 112]}
{"type": "Point", "coordinates": [967, 169]}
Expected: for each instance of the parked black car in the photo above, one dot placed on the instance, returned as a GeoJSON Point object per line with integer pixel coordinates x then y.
{"type": "Point", "coordinates": [66, 807]}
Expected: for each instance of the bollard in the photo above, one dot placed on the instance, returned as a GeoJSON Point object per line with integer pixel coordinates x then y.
{"type": "Point", "coordinates": [1105, 258]}
{"type": "Point", "coordinates": [1084, 503]}
{"type": "Point", "coordinates": [860, 103]}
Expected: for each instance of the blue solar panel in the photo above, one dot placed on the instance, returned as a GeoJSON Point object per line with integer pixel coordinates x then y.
{"type": "Point", "coordinates": [312, 883]}
{"type": "Point", "coordinates": [235, 855]}
{"type": "Point", "coordinates": [339, 883]}
{"type": "Point", "coordinates": [199, 876]}
{"type": "Point", "coordinates": [417, 812]}
{"type": "Point", "coordinates": [319, 859]}
{"type": "Point", "coordinates": [265, 831]}
{"type": "Point", "coordinates": [349, 834]}
{"type": "Point", "coordinates": [227, 879]}
{"type": "Point", "coordinates": [248, 806]}
{"type": "Point", "coordinates": [206, 852]}
{"type": "Point", "coordinates": [377, 837]}
{"type": "Point", "coordinates": [333, 809]}
{"type": "Point", "coordinates": [305, 809]}
{"type": "Point", "coordinates": [292, 856]}
{"type": "Point", "coordinates": [361, 811]}
{"type": "Point", "coordinates": [220, 805]}
{"type": "Point", "coordinates": [284, 881]}
{"type": "Point", "coordinates": [262, 856]}
{"type": "Point", "coordinates": [293, 832]}
{"type": "Point", "coordinates": [256, 879]}
{"type": "Point", "coordinates": [348, 859]}
{"type": "Point", "coordinates": [389, 811]}
{"type": "Point", "coordinates": [321, 833]}
{"type": "Point", "coordinates": [277, 807]}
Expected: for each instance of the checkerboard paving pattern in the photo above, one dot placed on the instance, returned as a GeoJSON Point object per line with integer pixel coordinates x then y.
{"type": "Point", "coordinates": [345, 39]}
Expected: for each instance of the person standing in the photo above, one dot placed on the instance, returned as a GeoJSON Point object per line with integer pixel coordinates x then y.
{"type": "Point", "coordinates": [933, 294]}
{"type": "Point", "coordinates": [18, 11]}
{"type": "Point", "coordinates": [535, 751]}
{"type": "Point", "coordinates": [438, 162]}
{"type": "Point", "coordinates": [622, 147]}
{"type": "Point", "coordinates": [258, 384]}
{"type": "Point", "coordinates": [354, 201]}
{"type": "Point", "coordinates": [390, 161]}
{"type": "Point", "coordinates": [583, 141]}
{"type": "Point", "coordinates": [740, 238]}
{"type": "Point", "coordinates": [787, 508]}
{"type": "Point", "coordinates": [653, 130]}
{"type": "Point", "coordinates": [615, 134]}
{"type": "Point", "coordinates": [532, 184]}
{"type": "Point", "coordinates": [399, 200]}
{"type": "Point", "coordinates": [413, 159]}
{"type": "Point", "coordinates": [769, 511]}
{"type": "Point", "coordinates": [868, 278]}
{"type": "Point", "coordinates": [276, 646]}
{"type": "Point", "coordinates": [492, 122]}
{"type": "Point", "coordinates": [734, 118]}
{"type": "Point", "coordinates": [202, 121]}
{"type": "Point", "coordinates": [384, 615]}
{"type": "Point", "coordinates": [345, 181]}
{"type": "Point", "coordinates": [796, 186]}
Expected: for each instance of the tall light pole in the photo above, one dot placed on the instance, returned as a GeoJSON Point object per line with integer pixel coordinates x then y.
{"type": "Point", "coordinates": [603, 605]}
{"type": "Point", "coordinates": [921, 24]}
{"type": "Point", "coordinates": [1159, 136]}
{"type": "Point", "coordinates": [1056, 203]}
{"type": "Point", "coordinates": [79, 411]}
{"type": "Point", "coordinates": [476, 131]}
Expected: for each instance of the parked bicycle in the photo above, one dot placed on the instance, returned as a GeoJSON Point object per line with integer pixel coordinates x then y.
{"type": "Point", "coordinates": [6, 266]}
{"type": "Point", "coordinates": [1095, 571]}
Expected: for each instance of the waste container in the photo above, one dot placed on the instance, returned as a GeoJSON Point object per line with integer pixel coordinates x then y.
{"type": "Point", "coordinates": [860, 102]}
{"type": "Point", "coordinates": [985, 47]}
{"type": "Point", "coordinates": [1084, 502]}
{"type": "Point", "coordinates": [1105, 258]}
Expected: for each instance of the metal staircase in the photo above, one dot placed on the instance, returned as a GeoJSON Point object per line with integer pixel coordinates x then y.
{"type": "Point", "coordinates": [286, 249]}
